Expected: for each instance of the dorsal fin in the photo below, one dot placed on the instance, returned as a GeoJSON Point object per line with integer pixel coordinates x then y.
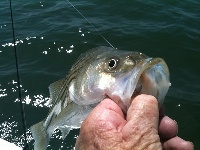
{"type": "Point", "coordinates": [54, 90]}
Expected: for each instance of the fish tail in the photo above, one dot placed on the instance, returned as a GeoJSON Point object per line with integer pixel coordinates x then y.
{"type": "Point", "coordinates": [40, 136]}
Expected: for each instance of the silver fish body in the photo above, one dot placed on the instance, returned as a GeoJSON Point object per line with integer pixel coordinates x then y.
{"type": "Point", "coordinates": [99, 73]}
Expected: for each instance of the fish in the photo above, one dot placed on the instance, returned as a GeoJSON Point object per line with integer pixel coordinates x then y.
{"type": "Point", "coordinates": [99, 73]}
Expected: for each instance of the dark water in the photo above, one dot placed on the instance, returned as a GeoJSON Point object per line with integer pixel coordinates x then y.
{"type": "Point", "coordinates": [50, 35]}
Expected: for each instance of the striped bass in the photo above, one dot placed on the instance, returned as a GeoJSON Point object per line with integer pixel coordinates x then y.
{"type": "Point", "coordinates": [99, 73]}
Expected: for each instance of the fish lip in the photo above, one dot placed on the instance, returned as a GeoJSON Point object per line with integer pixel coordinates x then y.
{"type": "Point", "coordinates": [135, 79]}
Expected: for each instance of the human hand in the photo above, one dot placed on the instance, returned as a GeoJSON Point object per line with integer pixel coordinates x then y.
{"type": "Point", "coordinates": [106, 128]}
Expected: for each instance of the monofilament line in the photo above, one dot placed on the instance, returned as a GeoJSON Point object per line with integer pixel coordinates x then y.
{"type": "Point", "coordinates": [91, 24]}
{"type": "Point", "coordinates": [18, 81]}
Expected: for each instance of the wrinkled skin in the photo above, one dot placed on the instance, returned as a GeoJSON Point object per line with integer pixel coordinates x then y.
{"type": "Point", "coordinates": [106, 128]}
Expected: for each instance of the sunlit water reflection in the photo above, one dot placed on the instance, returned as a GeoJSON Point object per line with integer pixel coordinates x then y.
{"type": "Point", "coordinates": [9, 129]}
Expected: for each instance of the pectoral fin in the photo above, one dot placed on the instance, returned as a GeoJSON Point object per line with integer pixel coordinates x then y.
{"type": "Point", "coordinates": [54, 90]}
{"type": "Point", "coordinates": [65, 131]}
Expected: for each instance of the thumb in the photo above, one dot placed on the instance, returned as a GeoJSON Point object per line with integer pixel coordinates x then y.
{"type": "Point", "coordinates": [143, 118]}
{"type": "Point", "coordinates": [144, 106]}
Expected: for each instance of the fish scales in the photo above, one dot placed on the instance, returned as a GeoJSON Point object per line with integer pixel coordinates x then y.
{"type": "Point", "coordinates": [74, 71]}
{"type": "Point", "coordinates": [98, 73]}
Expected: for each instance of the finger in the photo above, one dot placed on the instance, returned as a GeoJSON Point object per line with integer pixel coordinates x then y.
{"type": "Point", "coordinates": [104, 123]}
{"type": "Point", "coordinates": [168, 128]}
{"type": "Point", "coordinates": [107, 110]}
{"type": "Point", "coordinates": [142, 117]}
{"type": "Point", "coordinates": [146, 107]}
{"type": "Point", "coordinates": [104, 115]}
{"type": "Point", "coordinates": [177, 143]}
{"type": "Point", "coordinates": [110, 105]}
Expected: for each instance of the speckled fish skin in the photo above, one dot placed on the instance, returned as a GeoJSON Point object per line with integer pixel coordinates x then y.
{"type": "Point", "coordinates": [99, 73]}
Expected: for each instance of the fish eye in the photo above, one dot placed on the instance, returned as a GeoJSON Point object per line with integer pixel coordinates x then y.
{"type": "Point", "coordinates": [112, 63]}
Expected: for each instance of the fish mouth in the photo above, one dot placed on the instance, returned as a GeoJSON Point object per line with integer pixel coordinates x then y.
{"type": "Point", "coordinates": [148, 77]}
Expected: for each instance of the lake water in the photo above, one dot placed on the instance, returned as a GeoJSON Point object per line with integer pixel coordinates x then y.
{"type": "Point", "coordinates": [50, 35]}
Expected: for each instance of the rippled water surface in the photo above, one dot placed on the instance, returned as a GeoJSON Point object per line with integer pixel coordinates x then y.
{"type": "Point", "coordinates": [50, 35]}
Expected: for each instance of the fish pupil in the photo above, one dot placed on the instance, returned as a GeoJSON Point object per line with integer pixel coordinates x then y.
{"type": "Point", "coordinates": [112, 63]}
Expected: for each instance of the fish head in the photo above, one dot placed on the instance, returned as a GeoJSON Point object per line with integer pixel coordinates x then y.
{"type": "Point", "coordinates": [121, 76]}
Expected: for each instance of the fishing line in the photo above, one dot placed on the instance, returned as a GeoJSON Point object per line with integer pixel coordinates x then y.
{"type": "Point", "coordinates": [18, 80]}
{"type": "Point", "coordinates": [91, 24]}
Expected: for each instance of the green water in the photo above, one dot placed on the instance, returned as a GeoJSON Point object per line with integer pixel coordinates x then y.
{"type": "Point", "coordinates": [51, 35]}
